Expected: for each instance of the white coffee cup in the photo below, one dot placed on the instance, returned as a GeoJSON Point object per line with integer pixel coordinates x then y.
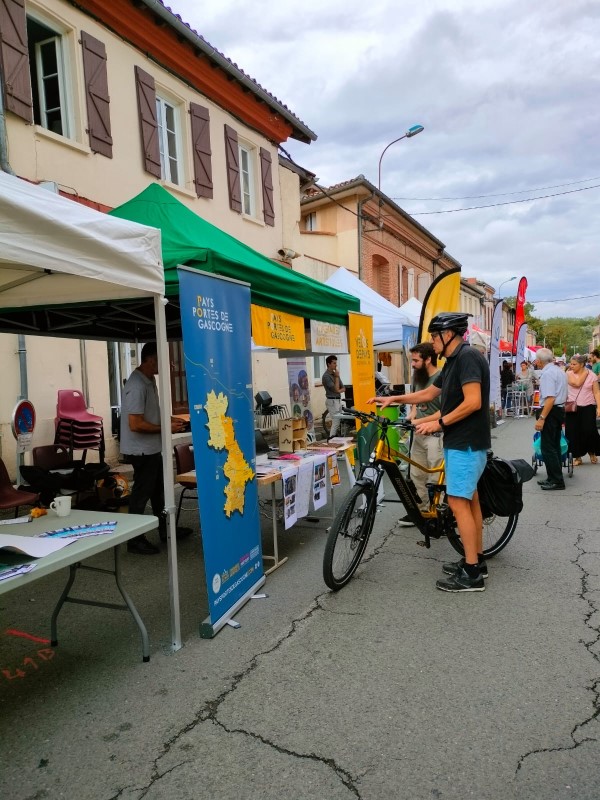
{"type": "Point", "coordinates": [61, 506]}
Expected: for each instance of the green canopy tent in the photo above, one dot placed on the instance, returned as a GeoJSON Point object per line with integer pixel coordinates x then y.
{"type": "Point", "coordinates": [189, 239]}
{"type": "Point", "coordinates": [186, 239]}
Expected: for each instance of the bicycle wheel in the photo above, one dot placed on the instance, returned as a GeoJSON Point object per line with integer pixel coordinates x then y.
{"type": "Point", "coordinates": [497, 533]}
{"type": "Point", "coordinates": [348, 536]}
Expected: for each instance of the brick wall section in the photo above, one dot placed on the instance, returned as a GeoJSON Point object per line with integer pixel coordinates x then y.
{"type": "Point", "coordinates": [86, 202]}
{"type": "Point", "coordinates": [400, 257]}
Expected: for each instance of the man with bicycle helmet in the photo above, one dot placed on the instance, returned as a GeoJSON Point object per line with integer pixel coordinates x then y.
{"type": "Point", "coordinates": [464, 387]}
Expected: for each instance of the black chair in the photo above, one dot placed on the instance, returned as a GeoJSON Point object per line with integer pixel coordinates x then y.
{"type": "Point", "coordinates": [184, 462]}
{"type": "Point", "coordinates": [261, 445]}
{"type": "Point", "coordinates": [265, 407]}
{"type": "Point", "coordinates": [349, 396]}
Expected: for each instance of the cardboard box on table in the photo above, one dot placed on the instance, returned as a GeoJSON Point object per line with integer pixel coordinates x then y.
{"type": "Point", "coordinates": [292, 435]}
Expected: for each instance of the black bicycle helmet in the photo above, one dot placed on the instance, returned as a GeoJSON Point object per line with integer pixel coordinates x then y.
{"type": "Point", "coordinates": [449, 321]}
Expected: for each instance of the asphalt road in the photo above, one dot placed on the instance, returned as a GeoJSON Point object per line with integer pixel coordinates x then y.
{"type": "Point", "coordinates": [387, 689]}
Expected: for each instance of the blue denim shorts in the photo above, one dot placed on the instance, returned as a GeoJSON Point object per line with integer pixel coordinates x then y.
{"type": "Point", "coordinates": [463, 470]}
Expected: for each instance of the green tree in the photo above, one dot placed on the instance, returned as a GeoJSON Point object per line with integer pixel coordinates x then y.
{"type": "Point", "coordinates": [533, 323]}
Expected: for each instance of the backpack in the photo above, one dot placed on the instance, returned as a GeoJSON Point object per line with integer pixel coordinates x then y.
{"type": "Point", "coordinates": [500, 488]}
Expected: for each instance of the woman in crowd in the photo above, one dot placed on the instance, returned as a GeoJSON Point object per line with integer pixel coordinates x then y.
{"type": "Point", "coordinates": [525, 378]}
{"type": "Point", "coordinates": [580, 424]}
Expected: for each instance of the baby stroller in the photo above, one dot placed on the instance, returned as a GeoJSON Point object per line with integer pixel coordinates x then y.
{"type": "Point", "coordinates": [566, 456]}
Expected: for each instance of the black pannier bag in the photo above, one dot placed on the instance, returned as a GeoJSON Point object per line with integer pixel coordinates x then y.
{"type": "Point", "coordinates": [75, 476]}
{"type": "Point", "coordinates": [500, 487]}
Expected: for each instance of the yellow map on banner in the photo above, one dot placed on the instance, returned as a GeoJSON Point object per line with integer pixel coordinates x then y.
{"type": "Point", "coordinates": [222, 437]}
{"type": "Point", "coordinates": [276, 329]}
{"type": "Point", "coordinates": [360, 344]}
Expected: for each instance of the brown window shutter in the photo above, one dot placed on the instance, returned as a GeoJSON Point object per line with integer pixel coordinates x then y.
{"type": "Point", "coordinates": [201, 150]}
{"type": "Point", "coordinates": [14, 59]}
{"type": "Point", "coordinates": [96, 90]}
{"type": "Point", "coordinates": [267, 186]}
{"type": "Point", "coordinates": [146, 97]}
{"type": "Point", "coordinates": [232, 159]}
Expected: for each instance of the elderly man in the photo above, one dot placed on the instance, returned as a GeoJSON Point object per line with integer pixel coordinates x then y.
{"type": "Point", "coordinates": [550, 418]}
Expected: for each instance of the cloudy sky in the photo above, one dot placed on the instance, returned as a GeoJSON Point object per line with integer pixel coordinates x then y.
{"type": "Point", "coordinates": [508, 92]}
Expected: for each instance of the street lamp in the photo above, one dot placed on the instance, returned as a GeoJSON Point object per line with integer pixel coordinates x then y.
{"type": "Point", "coordinates": [412, 131]}
{"type": "Point", "coordinates": [508, 280]}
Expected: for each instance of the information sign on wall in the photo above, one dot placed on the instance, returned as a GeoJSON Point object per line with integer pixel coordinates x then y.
{"type": "Point", "coordinates": [275, 329]}
{"type": "Point", "coordinates": [328, 338]}
{"type": "Point", "coordinates": [23, 425]}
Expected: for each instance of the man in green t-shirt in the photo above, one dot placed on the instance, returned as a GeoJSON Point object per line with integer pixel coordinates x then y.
{"type": "Point", "coordinates": [595, 354]}
{"type": "Point", "coordinates": [426, 449]}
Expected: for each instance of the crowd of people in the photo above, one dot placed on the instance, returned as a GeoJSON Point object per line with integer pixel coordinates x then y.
{"type": "Point", "coordinates": [569, 399]}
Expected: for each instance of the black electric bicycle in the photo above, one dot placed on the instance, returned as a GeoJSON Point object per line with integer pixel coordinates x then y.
{"type": "Point", "coordinates": [352, 526]}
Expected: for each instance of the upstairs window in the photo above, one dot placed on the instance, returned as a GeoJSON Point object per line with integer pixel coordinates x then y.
{"type": "Point", "coordinates": [167, 121]}
{"type": "Point", "coordinates": [246, 176]}
{"type": "Point", "coordinates": [310, 221]}
{"type": "Point", "coordinates": [248, 179]}
{"type": "Point", "coordinates": [47, 53]}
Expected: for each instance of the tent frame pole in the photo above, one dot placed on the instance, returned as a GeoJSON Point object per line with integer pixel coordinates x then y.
{"type": "Point", "coordinates": [164, 390]}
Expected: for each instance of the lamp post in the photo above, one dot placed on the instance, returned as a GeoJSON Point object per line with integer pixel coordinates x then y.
{"type": "Point", "coordinates": [508, 280]}
{"type": "Point", "coordinates": [412, 131]}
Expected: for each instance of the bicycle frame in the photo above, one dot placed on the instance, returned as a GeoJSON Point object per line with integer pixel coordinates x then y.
{"type": "Point", "coordinates": [385, 458]}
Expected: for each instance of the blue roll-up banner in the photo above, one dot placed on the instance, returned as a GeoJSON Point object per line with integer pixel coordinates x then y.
{"type": "Point", "coordinates": [215, 319]}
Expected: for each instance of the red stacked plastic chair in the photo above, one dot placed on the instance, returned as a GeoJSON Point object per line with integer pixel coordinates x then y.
{"type": "Point", "coordinates": [76, 428]}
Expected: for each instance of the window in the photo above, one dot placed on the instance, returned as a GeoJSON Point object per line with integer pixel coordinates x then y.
{"type": "Point", "coordinates": [167, 121]}
{"type": "Point", "coordinates": [423, 283]}
{"type": "Point", "coordinates": [381, 276]}
{"type": "Point", "coordinates": [47, 64]}
{"type": "Point", "coordinates": [248, 179]}
{"type": "Point", "coordinates": [310, 221]}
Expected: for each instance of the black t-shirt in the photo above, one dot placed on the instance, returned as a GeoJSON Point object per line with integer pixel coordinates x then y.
{"type": "Point", "coordinates": [465, 365]}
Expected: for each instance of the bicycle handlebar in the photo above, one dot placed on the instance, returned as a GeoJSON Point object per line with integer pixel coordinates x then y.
{"type": "Point", "coordinates": [371, 416]}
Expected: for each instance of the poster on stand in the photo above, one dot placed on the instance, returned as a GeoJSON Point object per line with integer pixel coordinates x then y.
{"type": "Point", "coordinates": [360, 331]}
{"type": "Point", "coordinates": [300, 403]}
{"type": "Point", "coordinates": [319, 497]}
{"type": "Point", "coordinates": [289, 477]}
{"type": "Point", "coordinates": [215, 319]}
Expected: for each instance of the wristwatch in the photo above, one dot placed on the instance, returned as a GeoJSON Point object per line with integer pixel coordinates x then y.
{"type": "Point", "coordinates": [442, 424]}
{"type": "Point", "coordinates": [541, 417]}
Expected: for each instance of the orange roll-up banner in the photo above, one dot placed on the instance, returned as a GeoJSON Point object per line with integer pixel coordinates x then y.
{"type": "Point", "coordinates": [276, 329]}
{"type": "Point", "coordinates": [360, 344]}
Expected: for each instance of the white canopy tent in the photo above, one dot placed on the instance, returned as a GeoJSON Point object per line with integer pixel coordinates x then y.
{"type": "Point", "coordinates": [388, 319]}
{"type": "Point", "coordinates": [412, 309]}
{"type": "Point", "coordinates": [56, 252]}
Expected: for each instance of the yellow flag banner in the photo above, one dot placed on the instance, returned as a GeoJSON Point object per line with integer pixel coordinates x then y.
{"type": "Point", "coordinates": [360, 344]}
{"type": "Point", "coordinates": [277, 329]}
{"type": "Point", "coordinates": [442, 295]}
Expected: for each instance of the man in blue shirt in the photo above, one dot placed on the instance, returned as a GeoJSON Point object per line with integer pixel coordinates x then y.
{"type": "Point", "coordinates": [550, 418]}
